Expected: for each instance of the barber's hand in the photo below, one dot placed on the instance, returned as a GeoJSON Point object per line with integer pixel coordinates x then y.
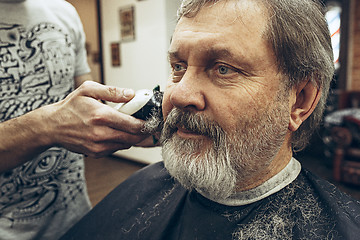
{"type": "Point", "coordinates": [150, 141]}
{"type": "Point", "coordinates": [82, 124]}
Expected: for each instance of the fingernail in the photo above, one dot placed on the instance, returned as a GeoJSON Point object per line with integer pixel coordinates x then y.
{"type": "Point", "coordinates": [128, 93]}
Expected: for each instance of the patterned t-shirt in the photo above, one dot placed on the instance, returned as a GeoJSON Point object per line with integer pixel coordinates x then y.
{"type": "Point", "coordinates": [42, 49]}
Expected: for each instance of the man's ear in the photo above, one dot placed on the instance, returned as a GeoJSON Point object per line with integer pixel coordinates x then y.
{"type": "Point", "coordinates": [305, 98]}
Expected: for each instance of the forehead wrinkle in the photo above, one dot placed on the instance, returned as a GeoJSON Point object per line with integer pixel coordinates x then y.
{"type": "Point", "coordinates": [244, 12]}
{"type": "Point", "coordinates": [234, 12]}
{"type": "Point", "coordinates": [211, 47]}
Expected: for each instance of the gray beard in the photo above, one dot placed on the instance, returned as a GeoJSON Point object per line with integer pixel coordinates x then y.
{"type": "Point", "coordinates": [215, 166]}
{"type": "Point", "coordinates": [210, 172]}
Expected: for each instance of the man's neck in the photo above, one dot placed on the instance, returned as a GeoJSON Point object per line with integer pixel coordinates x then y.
{"type": "Point", "coordinates": [274, 168]}
{"type": "Point", "coordinates": [277, 164]}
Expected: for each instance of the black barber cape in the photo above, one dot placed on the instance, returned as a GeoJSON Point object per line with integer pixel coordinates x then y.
{"type": "Point", "coordinates": [151, 205]}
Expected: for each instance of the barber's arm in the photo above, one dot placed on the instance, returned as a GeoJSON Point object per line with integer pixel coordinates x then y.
{"type": "Point", "coordinates": [82, 78]}
{"type": "Point", "coordinates": [79, 123]}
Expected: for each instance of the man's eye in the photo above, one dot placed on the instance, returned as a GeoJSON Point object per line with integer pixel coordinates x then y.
{"type": "Point", "coordinates": [178, 67]}
{"type": "Point", "coordinates": [223, 70]}
{"type": "Point", "coordinates": [178, 70]}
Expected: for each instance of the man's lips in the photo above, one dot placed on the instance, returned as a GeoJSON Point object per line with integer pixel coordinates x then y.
{"type": "Point", "coordinates": [186, 133]}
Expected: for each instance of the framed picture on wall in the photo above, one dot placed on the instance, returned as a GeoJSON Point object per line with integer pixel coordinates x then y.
{"type": "Point", "coordinates": [127, 23]}
{"type": "Point", "coordinates": [115, 54]}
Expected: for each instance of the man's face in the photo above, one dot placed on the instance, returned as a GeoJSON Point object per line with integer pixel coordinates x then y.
{"type": "Point", "coordinates": [226, 113]}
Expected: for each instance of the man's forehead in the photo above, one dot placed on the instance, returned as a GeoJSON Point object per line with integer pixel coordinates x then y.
{"type": "Point", "coordinates": [246, 17]}
{"type": "Point", "coordinates": [231, 10]}
{"type": "Point", "coordinates": [220, 28]}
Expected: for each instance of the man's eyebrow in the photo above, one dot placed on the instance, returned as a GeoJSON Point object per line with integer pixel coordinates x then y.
{"type": "Point", "coordinates": [173, 55]}
{"type": "Point", "coordinates": [215, 54]}
{"type": "Point", "coordinates": [209, 54]}
{"type": "Point", "coordinates": [226, 55]}
{"type": "Point", "coordinates": [219, 54]}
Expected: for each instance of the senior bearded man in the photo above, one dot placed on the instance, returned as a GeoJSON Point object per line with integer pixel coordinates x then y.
{"type": "Point", "coordinates": [249, 84]}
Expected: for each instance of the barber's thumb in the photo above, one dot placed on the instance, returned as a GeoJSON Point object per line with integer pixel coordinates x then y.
{"type": "Point", "coordinates": [118, 95]}
{"type": "Point", "coordinates": [128, 93]}
{"type": "Point", "coordinates": [105, 93]}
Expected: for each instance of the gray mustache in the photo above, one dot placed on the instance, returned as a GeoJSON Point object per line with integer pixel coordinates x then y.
{"type": "Point", "coordinates": [194, 122]}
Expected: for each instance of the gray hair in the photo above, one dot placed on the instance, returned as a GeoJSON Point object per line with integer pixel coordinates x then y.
{"type": "Point", "coordinates": [299, 37]}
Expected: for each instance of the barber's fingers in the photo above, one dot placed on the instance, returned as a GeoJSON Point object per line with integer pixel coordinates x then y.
{"type": "Point", "coordinates": [101, 140]}
{"type": "Point", "coordinates": [117, 142]}
{"type": "Point", "coordinates": [103, 92]}
{"type": "Point", "coordinates": [128, 124]}
{"type": "Point", "coordinates": [150, 141]}
{"type": "Point", "coordinates": [100, 150]}
{"type": "Point", "coordinates": [108, 116]}
{"type": "Point", "coordinates": [104, 134]}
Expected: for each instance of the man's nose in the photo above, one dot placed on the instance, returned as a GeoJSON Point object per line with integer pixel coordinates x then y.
{"type": "Point", "coordinates": [189, 93]}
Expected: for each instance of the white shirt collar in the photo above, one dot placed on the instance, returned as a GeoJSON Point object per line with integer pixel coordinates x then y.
{"type": "Point", "coordinates": [271, 186]}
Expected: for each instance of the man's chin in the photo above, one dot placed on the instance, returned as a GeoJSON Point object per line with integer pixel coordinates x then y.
{"type": "Point", "coordinates": [215, 191]}
{"type": "Point", "coordinates": [197, 165]}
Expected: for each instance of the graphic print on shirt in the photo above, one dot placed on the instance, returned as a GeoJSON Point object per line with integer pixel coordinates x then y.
{"type": "Point", "coordinates": [36, 69]}
{"type": "Point", "coordinates": [40, 187]}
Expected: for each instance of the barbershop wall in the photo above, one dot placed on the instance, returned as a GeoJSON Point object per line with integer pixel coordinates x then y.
{"type": "Point", "coordinates": [355, 46]}
{"type": "Point", "coordinates": [143, 61]}
{"type": "Point", "coordinates": [87, 10]}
